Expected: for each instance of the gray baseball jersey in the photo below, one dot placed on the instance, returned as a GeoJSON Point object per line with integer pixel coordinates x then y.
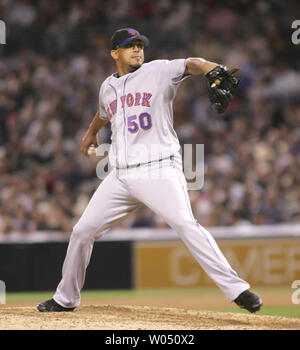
{"type": "Point", "coordinates": [139, 106]}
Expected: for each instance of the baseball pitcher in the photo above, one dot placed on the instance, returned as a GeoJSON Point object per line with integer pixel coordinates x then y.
{"type": "Point", "coordinates": [138, 102]}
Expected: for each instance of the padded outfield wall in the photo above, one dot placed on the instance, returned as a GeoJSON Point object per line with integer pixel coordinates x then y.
{"type": "Point", "coordinates": [146, 258]}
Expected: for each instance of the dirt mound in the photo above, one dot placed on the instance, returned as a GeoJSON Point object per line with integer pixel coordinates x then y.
{"type": "Point", "coordinates": [124, 317]}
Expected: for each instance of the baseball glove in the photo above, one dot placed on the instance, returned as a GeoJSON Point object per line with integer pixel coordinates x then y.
{"type": "Point", "coordinates": [221, 87]}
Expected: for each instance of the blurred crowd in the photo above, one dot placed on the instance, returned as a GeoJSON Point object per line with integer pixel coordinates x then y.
{"type": "Point", "coordinates": [57, 55]}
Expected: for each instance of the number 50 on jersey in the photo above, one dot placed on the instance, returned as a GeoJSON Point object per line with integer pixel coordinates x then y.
{"type": "Point", "coordinates": [143, 121]}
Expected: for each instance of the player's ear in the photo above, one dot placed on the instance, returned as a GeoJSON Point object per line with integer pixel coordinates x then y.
{"type": "Point", "coordinates": [114, 54]}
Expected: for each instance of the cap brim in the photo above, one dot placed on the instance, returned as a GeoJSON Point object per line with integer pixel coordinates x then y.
{"type": "Point", "coordinates": [143, 38]}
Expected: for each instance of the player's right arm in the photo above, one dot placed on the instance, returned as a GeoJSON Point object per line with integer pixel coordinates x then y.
{"type": "Point", "coordinates": [90, 136]}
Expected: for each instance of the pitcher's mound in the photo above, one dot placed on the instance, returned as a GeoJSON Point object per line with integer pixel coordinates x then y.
{"type": "Point", "coordinates": [128, 317]}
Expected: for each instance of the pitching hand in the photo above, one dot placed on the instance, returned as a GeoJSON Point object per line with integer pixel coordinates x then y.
{"type": "Point", "coordinates": [88, 140]}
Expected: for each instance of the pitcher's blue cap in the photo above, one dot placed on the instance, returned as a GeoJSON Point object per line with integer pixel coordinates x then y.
{"type": "Point", "coordinates": [123, 36]}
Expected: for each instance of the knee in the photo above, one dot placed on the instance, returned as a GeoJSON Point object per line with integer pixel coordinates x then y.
{"type": "Point", "coordinates": [83, 234]}
{"type": "Point", "coordinates": [181, 224]}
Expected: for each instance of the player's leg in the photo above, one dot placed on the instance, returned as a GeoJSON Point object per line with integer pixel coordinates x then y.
{"type": "Point", "coordinates": [110, 204]}
{"type": "Point", "coordinates": [167, 196]}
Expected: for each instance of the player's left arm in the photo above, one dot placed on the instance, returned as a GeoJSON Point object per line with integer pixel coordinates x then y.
{"type": "Point", "coordinates": [196, 66]}
{"type": "Point", "coordinates": [221, 82]}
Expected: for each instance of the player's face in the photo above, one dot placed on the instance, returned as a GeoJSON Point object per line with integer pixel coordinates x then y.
{"type": "Point", "coordinates": [131, 55]}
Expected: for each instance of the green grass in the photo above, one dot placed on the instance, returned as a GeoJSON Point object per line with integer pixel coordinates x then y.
{"type": "Point", "coordinates": [28, 296]}
{"type": "Point", "coordinates": [286, 311]}
{"type": "Point", "coordinates": [94, 294]}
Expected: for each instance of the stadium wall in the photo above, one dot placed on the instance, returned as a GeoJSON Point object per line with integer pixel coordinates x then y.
{"type": "Point", "coordinates": [37, 266]}
{"type": "Point", "coordinates": [147, 258]}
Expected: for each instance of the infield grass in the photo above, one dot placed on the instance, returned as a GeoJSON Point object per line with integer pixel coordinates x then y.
{"type": "Point", "coordinates": [283, 311]}
{"type": "Point", "coordinates": [287, 309]}
{"type": "Point", "coordinates": [102, 294]}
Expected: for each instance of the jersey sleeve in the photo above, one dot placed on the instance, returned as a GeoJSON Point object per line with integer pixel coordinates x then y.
{"type": "Point", "coordinates": [102, 112]}
{"type": "Point", "coordinates": [174, 69]}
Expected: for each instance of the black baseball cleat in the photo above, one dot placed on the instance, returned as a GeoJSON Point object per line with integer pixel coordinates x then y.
{"type": "Point", "coordinates": [249, 301]}
{"type": "Point", "coordinates": [52, 306]}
